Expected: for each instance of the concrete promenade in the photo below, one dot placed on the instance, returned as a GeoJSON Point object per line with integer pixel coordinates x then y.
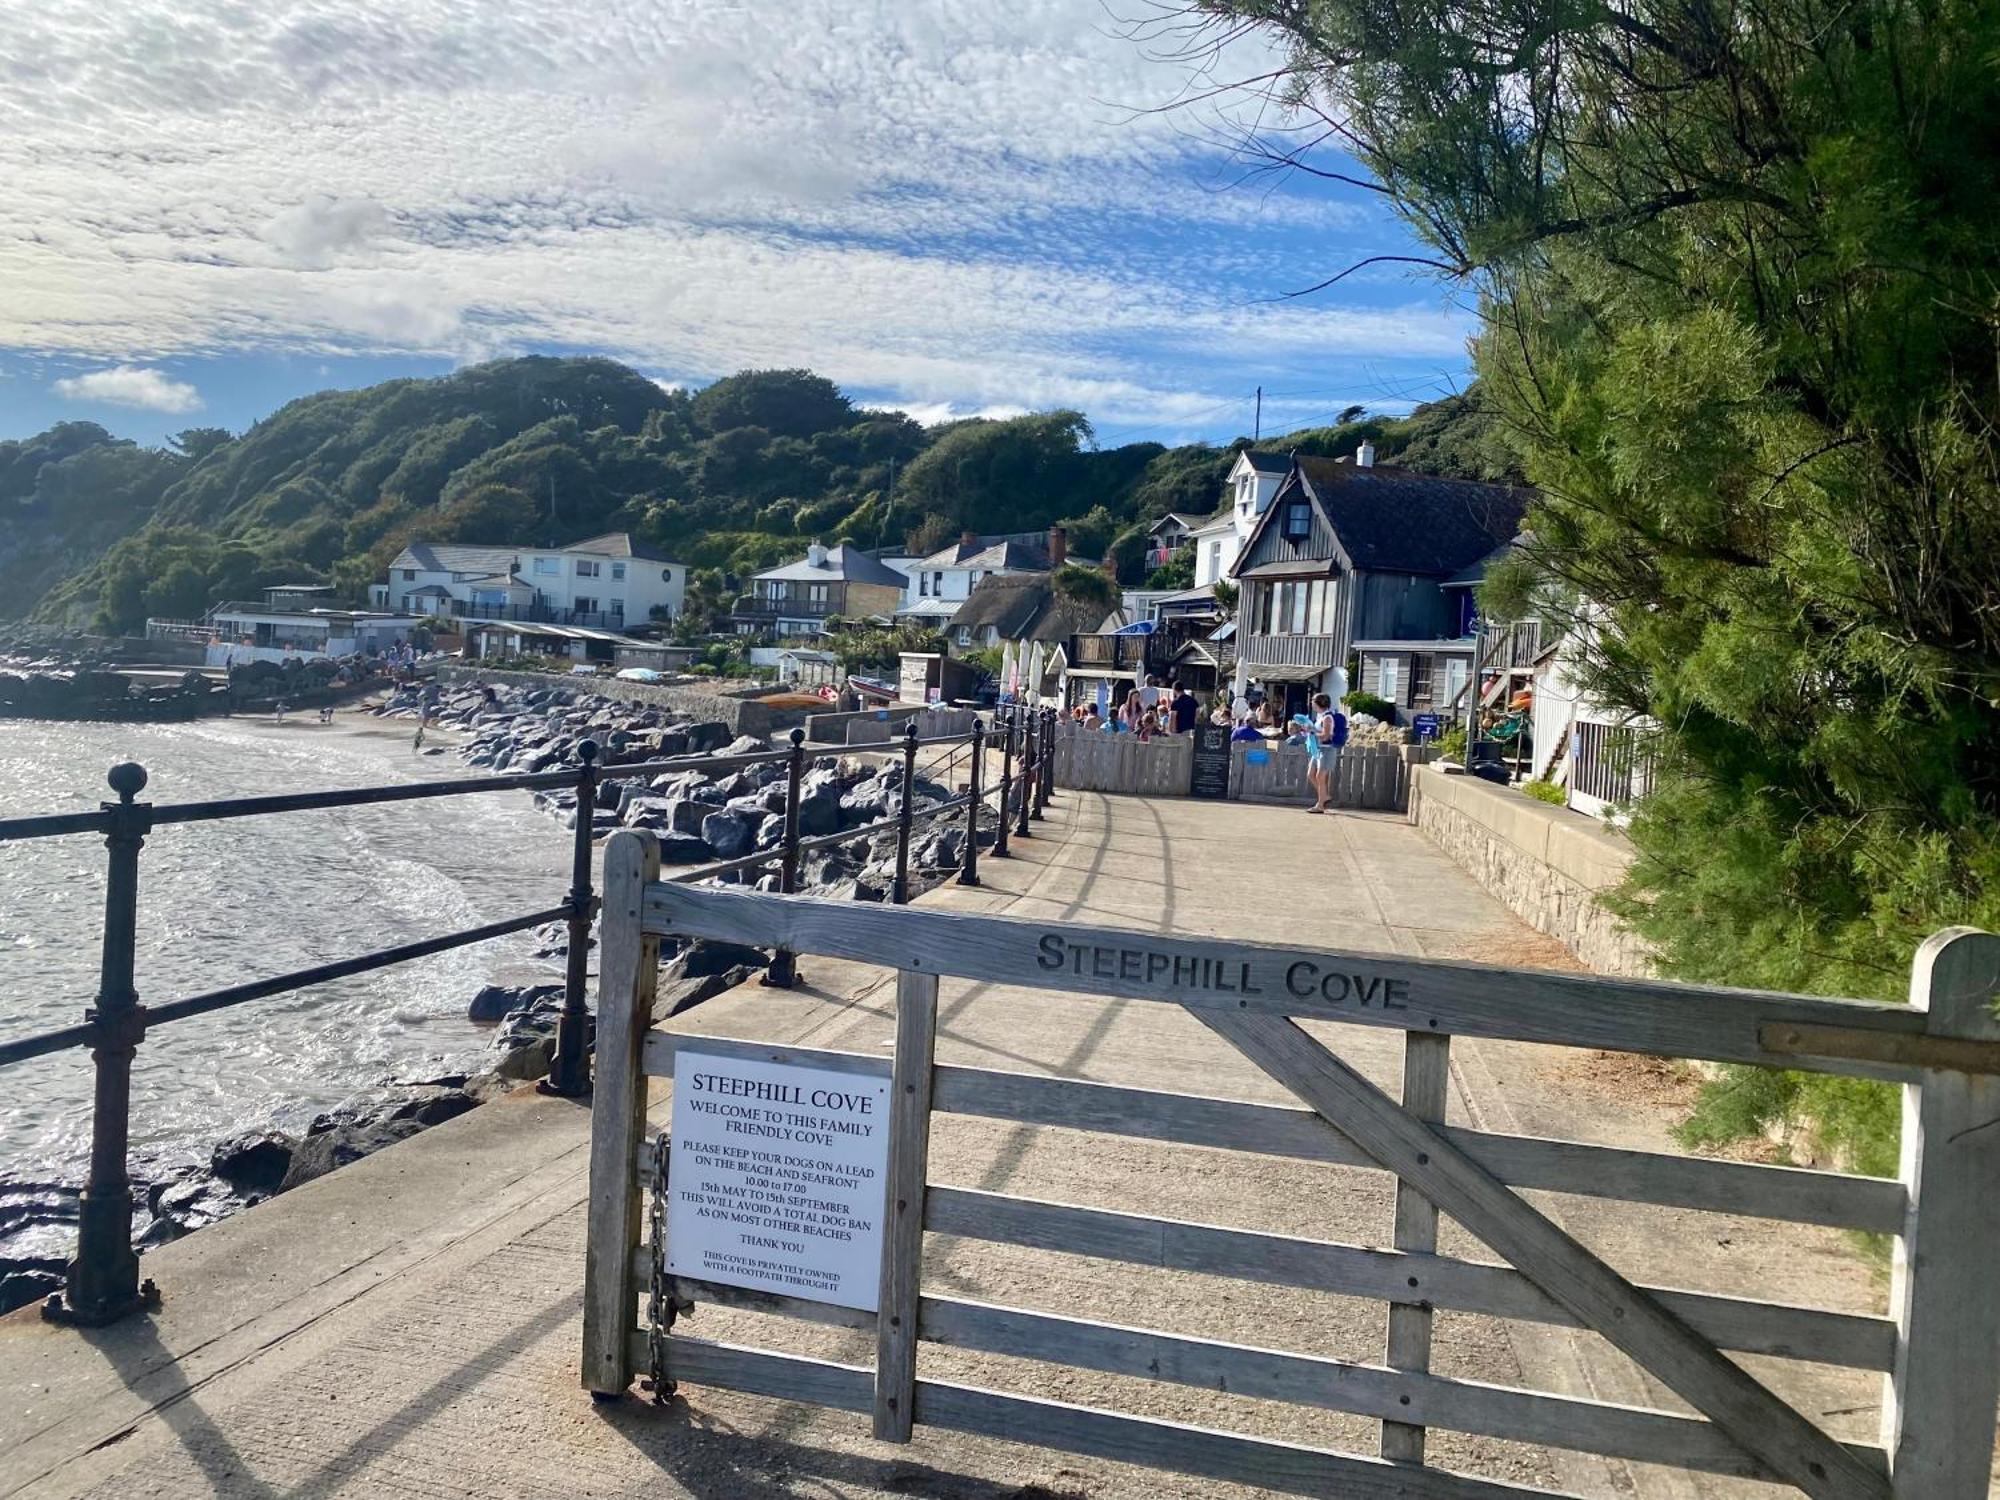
{"type": "Point", "coordinates": [408, 1326]}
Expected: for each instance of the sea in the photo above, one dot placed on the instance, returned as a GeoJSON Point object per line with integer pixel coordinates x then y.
{"type": "Point", "coordinates": [223, 903]}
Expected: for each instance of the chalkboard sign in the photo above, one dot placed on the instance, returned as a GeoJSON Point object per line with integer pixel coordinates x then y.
{"type": "Point", "coordinates": [1210, 775]}
{"type": "Point", "coordinates": [1426, 726]}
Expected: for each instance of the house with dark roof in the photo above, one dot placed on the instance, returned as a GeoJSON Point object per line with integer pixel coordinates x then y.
{"type": "Point", "coordinates": [1023, 608]}
{"type": "Point", "coordinates": [1253, 479]}
{"type": "Point", "coordinates": [940, 583]}
{"type": "Point", "coordinates": [798, 598]}
{"type": "Point", "coordinates": [1355, 553]}
{"type": "Point", "coordinates": [602, 582]}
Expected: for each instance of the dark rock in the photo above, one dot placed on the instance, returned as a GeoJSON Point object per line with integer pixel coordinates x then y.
{"type": "Point", "coordinates": [746, 744]}
{"type": "Point", "coordinates": [684, 849]}
{"type": "Point", "coordinates": [435, 1106]}
{"type": "Point", "coordinates": [27, 1278]}
{"type": "Point", "coordinates": [686, 814]}
{"type": "Point", "coordinates": [704, 957]}
{"type": "Point", "coordinates": [253, 1162]}
{"type": "Point", "coordinates": [728, 833]}
{"type": "Point", "coordinates": [709, 735]}
{"type": "Point", "coordinates": [336, 1146]}
{"type": "Point", "coordinates": [494, 1001]}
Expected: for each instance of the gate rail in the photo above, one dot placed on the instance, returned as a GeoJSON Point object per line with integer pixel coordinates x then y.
{"type": "Point", "coordinates": [102, 1282]}
{"type": "Point", "coordinates": [1937, 1349]}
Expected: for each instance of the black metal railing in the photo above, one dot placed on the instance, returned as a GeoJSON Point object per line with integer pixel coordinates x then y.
{"type": "Point", "coordinates": [102, 1282]}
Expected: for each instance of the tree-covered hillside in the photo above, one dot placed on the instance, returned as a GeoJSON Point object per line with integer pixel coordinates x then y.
{"type": "Point", "coordinates": [736, 476]}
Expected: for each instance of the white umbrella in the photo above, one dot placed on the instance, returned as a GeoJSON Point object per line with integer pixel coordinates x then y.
{"type": "Point", "coordinates": [1010, 672]}
{"type": "Point", "coordinates": [1240, 683]}
{"type": "Point", "coordinates": [1336, 684]}
{"type": "Point", "coordinates": [1035, 667]}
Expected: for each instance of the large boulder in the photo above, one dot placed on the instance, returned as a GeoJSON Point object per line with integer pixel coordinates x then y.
{"type": "Point", "coordinates": [684, 849]}
{"type": "Point", "coordinates": [340, 1143]}
{"type": "Point", "coordinates": [252, 1162]}
{"type": "Point", "coordinates": [728, 833]}
{"type": "Point", "coordinates": [709, 735]}
{"type": "Point", "coordinates": [687, 814]}
{"type": "Point", "coordinates": [495, 1002]}
{"type": "Point", "coordinates": [746, 744]}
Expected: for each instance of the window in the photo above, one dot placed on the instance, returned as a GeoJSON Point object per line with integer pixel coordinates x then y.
{"type": "Point", "coordinates": [1261, 607]}
{"type": "Point", "coordinates": [1456, 670]}
{"type": "Point", "coordinates": [409, 575]}
{"type": "Point", "coordinates": [1214, 560]}
{"type": "Point", "coordinates": [585, 605]}
{"type": "Point", "coordinates": [923, 585]}
{"type": "Point", "coordinates": [548, 567]}
{"type": "Point", "coordinates": [618, 607]}
{"type": "Point", "coordinates": [585, 569]}
{"type": "Point", "coordinates": [618, 572]}
{"type": "Point", "coordinates": [1389, 675]}
{"type": "Point", "coordinates": [1420, 676]}
{"type": "Point", "coordinates": [1298, 520]}
{"type": "Point", "coordinates": [816, 595]}
{"type": "Point", "coordinates": [1301, 601]}
{"type": "Point", "coordinates": [965, 635]}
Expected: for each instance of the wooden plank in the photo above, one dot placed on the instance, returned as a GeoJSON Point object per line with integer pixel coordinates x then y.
{"type": "Point", "coordinates": [1792, 1194]}
{"type": "Point", "coordinates": [1636, 1433]}
{"type": "Point", "coordinates": [660, 1047]}
{"type": "Point", "coordinates": [1499, 1291]}
{"type": "Point", "coordinates": [628, 962]}
{"type": "Point", "coordinates": [903, 1206]}
{"type": "Point", "coordinates": [1938, 1406]}
{"type": "Point", "coordinates": [1215, 975]}
{"type": "Point", "coordinates": [1954, 1054]}
{"type": "Point", "coordinates": [759, 1372]}
{"type": "Point", "coordinates": [1228, 1457]}
{"type": "Point", "coordinates": [1407, 1344]}
{"type": "Point", "coordinates": [1631, 1320]}
{"type": "Point", "coordinates": [776, 1304]}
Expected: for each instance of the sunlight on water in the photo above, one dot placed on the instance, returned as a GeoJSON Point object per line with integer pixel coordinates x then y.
{"type": "Point", "coordinates": [222, 903]}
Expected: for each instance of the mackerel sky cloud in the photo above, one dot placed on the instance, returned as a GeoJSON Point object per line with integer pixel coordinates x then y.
{"type": "Point", "coordinates": [946, 205]}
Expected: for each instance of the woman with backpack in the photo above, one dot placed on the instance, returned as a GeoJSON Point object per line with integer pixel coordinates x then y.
{"type": "Point", "coordinates": [1324, 737]}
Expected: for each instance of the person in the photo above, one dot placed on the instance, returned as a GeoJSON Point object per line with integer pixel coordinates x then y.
{"type": "Point", "coordinates": [1245, 733]}
{"type": "Point", "coordinates": [1134, 709]}
{"type": "Point", "coordinates": [1090, 718]}
{"type": "Point", "coordinates": [326, 714]}
{"type": "Point", "coordinates": [1328, 733]}
{"type": "Point", "coordinates": [1149, 724]}
{"type": "Point", "coordinates": [1149, 695]}
{"type": "Point", "coordinates": [1185, 710]}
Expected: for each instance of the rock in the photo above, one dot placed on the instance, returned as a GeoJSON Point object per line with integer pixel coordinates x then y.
{"type": "Point", "coordinates": [493, 1002]}
{"type": "Point", "coordinates": [686, 814]}
{"type": "Point", "coordinates": [27, 1278]}
{"type": "Point", "coordinates": [195, 1202]}
{"type": "Point", "coordinates": [728, 833]}
{"type": "Point", "coordinates": [324, 1150]}
{"type": "Point", "coordinates": [709, 735]}
{"type": "Point", "coordinates": [253, 1162]}
{"type": "Point", "coordinates": [704, 957]}
{"type": "Point", "coordinates": [736, 785]}
{"type": "Point", "coordinates": [684, 849]}
{"type": "Point", "coordinates": [435, 1106]}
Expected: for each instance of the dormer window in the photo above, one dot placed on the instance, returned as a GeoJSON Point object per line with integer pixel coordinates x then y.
{"type": "Point", "coordinates": [1298, 520]}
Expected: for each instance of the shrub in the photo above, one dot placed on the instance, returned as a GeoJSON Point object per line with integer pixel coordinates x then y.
{"type": "Point", "coordinates": [1451, 744]}
{"type": "Point", "coordinates": [1371, 704]}
{"type": "Point", "coordinates": [1547, 791]}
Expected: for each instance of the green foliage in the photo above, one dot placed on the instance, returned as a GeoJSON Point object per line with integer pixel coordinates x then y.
{"type": "Point", "coordinates": [1358, 702]}
{"type": "Point", "coordinates": [1546, 791]}
{"type": "Point", "coordinates": [1737, 284]}
{"type": "Point", "coordinates": [788, 403]}
{"type": "Point", "coordinates": [1177, 572]}
{"type": "Point", "coordinates": [1226, 595]}
{"type": "Point", "coordinates": [989, 659]}
{"type": "Point", "coordinates": [1451, 744]}
{"type": "Point", "coordinates": [1073, 581]}
{"type": "Point", "coordinates": [874, 649]}
{"type": "Point", "coordinates": [1854, 1121]}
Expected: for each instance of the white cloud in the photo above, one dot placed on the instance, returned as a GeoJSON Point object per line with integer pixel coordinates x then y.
{"type": "Point", "coordinates": [130, 385]}
{"type": "Point", "coordinates": [948, 205]}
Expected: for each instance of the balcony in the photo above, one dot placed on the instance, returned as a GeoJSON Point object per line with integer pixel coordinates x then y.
{"type": "Point", "coordinates": [1515, 644]}
{"type": "Point", "coordinates": [1290, 651]}
{"type": "Point", "coordinates": [537, 614]}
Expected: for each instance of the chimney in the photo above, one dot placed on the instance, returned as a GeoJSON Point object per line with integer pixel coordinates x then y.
{"type": "Point", "coordinates": [816, 556]}
{"type": "Point", "coordinates": [968, 539]}
{"type": "Point", "coordinates": [1364, 456]}
{"type": "Point", "coordinates": [1058, 546]}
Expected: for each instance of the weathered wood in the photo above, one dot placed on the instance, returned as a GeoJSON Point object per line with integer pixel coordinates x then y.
{"type": "Point", "coordinates": [757, 1372]}
{"type": "Point", "coordinates": [777, 1304]}
{"type": "Point", "coordinates": [1938, 1405]}
{"type": "Point", "coordinates": [628, 962]}
{"type": "Point", "coordinates": [903, 1206]}
{"type": "Point", "coordinates": [1407, 1345]}
{"type": "Point", "coordinates": [1637, 1433]}
{"type": "Point", "coordinates": [1630, 1319]}
{"type": "Point", "coordinates": [1229, 1457]}
{"type": "Point", "coordinates": [1442, 995]}
{"type": "Point", "coordinates": [661, 1046]}
{"type": "Point", "coordinates": [1792, 1194]}
{"type": "Point", "coordinates": [1850, 1339]}
{"type": "Point", "coordinates": [1953, 1054]}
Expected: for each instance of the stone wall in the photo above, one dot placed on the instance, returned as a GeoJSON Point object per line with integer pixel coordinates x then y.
{"type": "Point", "coordinates": [742, 715]}
{"type": "Point", "coordinates": [1547, 864]}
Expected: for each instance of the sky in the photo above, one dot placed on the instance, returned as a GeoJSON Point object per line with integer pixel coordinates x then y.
{"type": "Point", "coordinates": [209, 207]}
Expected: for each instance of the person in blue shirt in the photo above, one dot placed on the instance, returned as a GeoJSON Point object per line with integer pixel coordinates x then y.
{"type": "Point", "coordinates": [1326, 733]}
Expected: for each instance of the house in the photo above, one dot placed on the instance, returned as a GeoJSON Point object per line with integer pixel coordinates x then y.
{"type": "Point", "coordinates": [806, 668]}
{"type": "Point", "coordinates": [1357, 552]}
{"type": "Point", "coordinates": [580, 643]}
{"type": "Point", "coordinates": [603, 582]}
{"type": "Point", "coordinates": [1253, 479]}
{"type": "Point", "coordinates": [800, 597]}
{"type": "Point", "coordinates": [941, 582]}
{"type": "Point", "coordinates": [1023, 608]}
{"type": "Point", "coordinates": [288, 622]}
{"type": "Point", "coordinates": [1168, 535]}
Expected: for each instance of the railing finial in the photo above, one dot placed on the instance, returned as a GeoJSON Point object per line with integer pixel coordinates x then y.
{"type": "Point", "coordinates": [127, 779]}
{"type": "Point", "coordinates": [587, 751]}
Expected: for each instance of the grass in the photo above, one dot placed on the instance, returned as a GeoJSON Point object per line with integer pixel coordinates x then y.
{"type": "Point", "coordinates": [1546, 791]}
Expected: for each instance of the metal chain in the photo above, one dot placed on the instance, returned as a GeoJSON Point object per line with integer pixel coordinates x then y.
{"type": "Point", "coordinates": [660, 1308]}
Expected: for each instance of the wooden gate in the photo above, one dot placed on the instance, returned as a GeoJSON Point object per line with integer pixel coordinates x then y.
{"type": "Point", "coordinates": [1366, 776]}
{"type": "Point", "coordinates": [1939, 1351]}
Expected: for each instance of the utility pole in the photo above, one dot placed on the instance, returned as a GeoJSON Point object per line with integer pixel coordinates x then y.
{"type": "Point", "coordinates": [1258, 434]}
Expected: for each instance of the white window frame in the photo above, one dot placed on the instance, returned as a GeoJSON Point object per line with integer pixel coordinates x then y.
{"type": "Point", "coordinates": [1386, 678]}
{"type": "Point", "coordinates": [584, 604]}
{"type": "Point", "coordinates": [548, 567]}
{"type": "Point", "coordinates": [618, 572]}
{"type": "Point", "coordinates": [585, 568]}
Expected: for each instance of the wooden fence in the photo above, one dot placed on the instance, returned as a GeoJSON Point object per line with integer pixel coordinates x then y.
{"type": "Point", "coordinates": [1367, 776]}
{"type": "Point", "coordinates": [1936, 1349]}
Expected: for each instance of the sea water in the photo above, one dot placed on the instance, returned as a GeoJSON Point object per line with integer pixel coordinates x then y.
{"type": "Point", "coordinates": [223, 903]}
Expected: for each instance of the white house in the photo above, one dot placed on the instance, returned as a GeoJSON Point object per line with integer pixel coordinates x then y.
{"type": "Point", "coordinates": [605, 582]}
{"type": "Point", "coordinates": [941, 582]}
{"type": "Point", "coordinates": [1253, 479]}
{"type": "Point", "coordinates": [286, 624]}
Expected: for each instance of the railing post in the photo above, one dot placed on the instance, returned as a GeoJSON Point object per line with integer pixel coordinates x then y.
{"type": "Point", "coordinates": [1938, 1402]}
{"type": "Point", "coordinates": [968, 870]}
{"type": "Point", "coordinates": [1045, 787]}
{"type": "Point", "coordinates": [784, 970]}
{"type": "Point", "coordinates": [1027, 798]}
{"type": "Point", "coordinates": [906, 815]}
{"type": "Point", "coordinates": [1005, 723]}
{"type": "Point", "coordinates": [102, 1283]}
{"type": "Point", "coordinates": [1041, 720]}
{"type": "Point", "coordinates": [569, 1069]}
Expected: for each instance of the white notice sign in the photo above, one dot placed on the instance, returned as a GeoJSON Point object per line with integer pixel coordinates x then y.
{"type": "Point", "coordinates": [776, 1178]}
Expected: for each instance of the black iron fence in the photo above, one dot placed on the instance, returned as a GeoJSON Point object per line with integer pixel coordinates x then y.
{"type": "Point", "coordinates": [102, 1282]}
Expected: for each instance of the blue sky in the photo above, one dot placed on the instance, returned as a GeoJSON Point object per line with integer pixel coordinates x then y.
{"type": "Point", "coordinates": [947, 206]}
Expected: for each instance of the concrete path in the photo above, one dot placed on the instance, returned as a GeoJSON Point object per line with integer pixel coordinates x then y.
{"type": "Point", "coordinates": [408, 1327]}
